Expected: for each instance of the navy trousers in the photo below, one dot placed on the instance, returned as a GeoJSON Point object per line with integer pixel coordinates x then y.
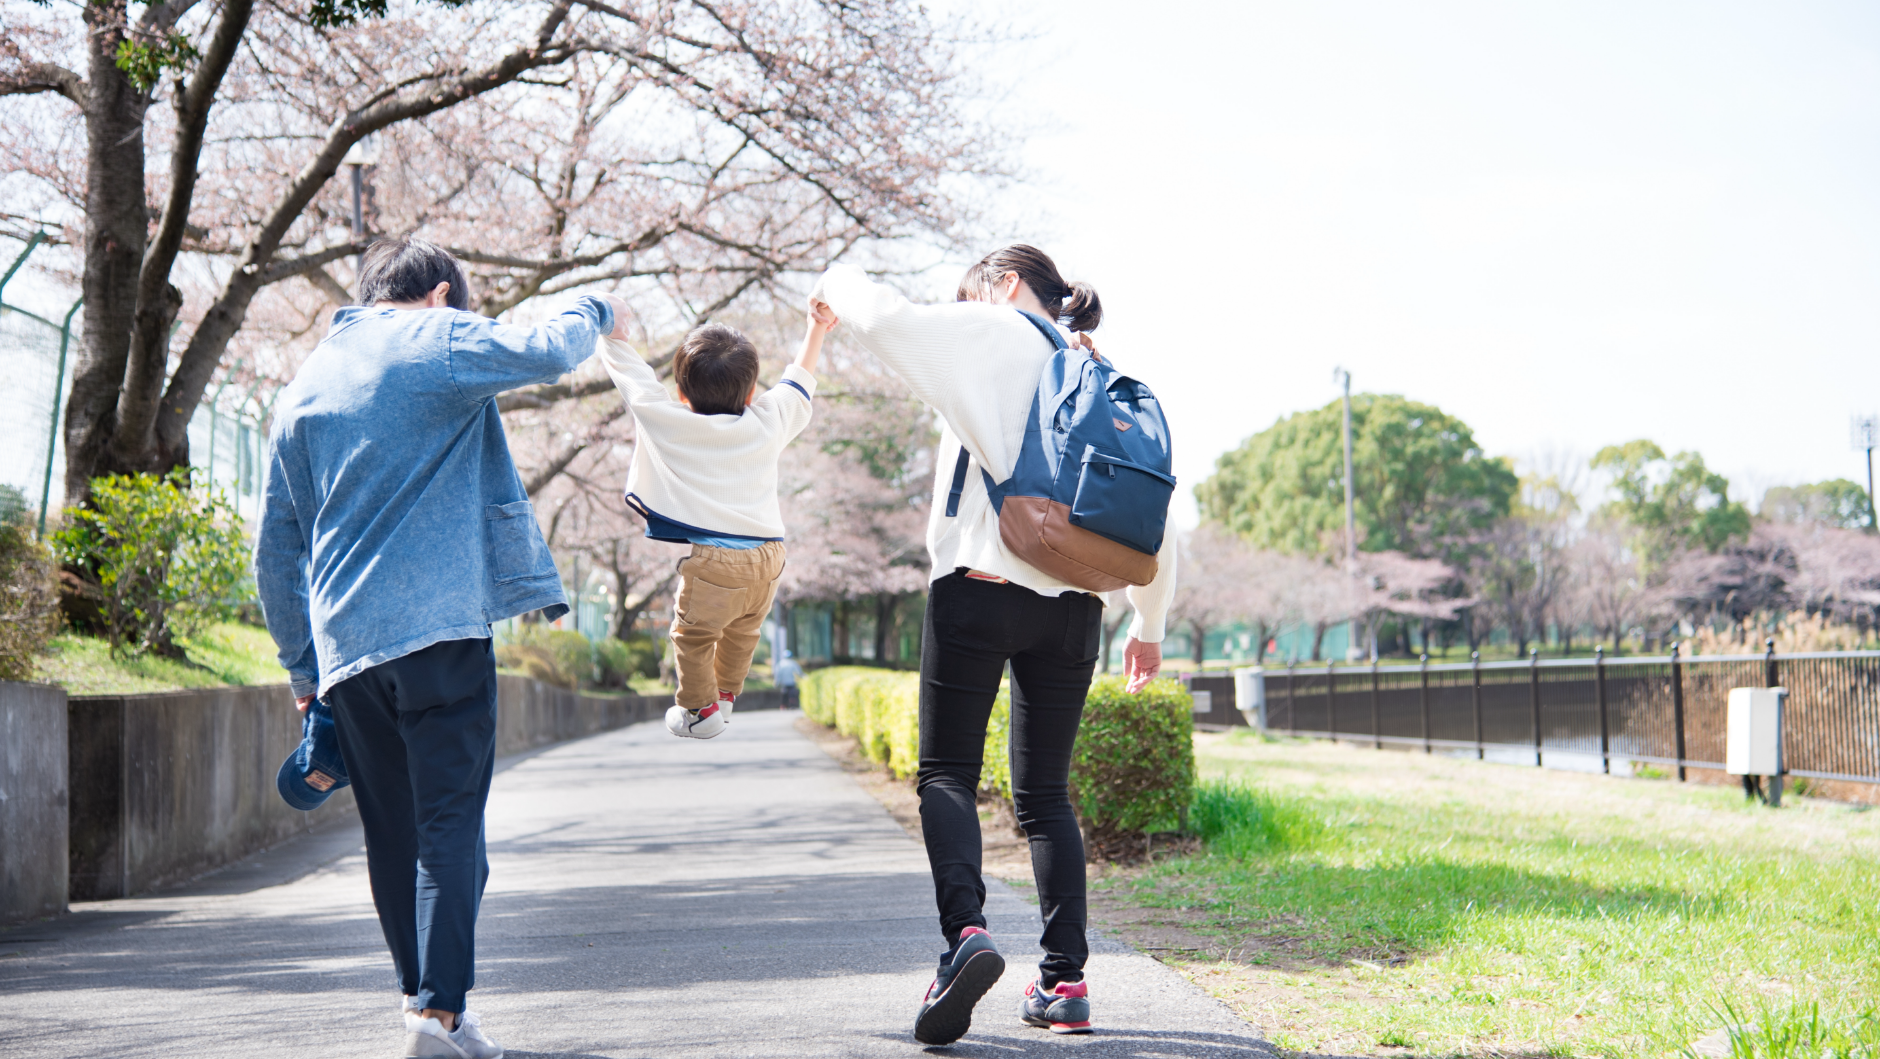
{"type": "Point", "coordinates": [419, 737]}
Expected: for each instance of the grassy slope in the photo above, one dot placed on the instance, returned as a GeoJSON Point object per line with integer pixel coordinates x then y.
{"type": "Point", "coordinates": [1509, 911]}
{"type": "Point", "coordinates": [229, 653]}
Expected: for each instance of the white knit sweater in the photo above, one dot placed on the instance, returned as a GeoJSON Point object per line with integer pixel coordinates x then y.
{"type": "Point", "coordinates": [716, 473]}
{"type": "Point", "coordinates": [977, 365]}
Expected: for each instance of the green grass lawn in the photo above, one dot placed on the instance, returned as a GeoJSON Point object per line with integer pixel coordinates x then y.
{"type": "Point", "coordinates": [227, 653]}
{"type": "Point", "coordinates": [1373, 902]}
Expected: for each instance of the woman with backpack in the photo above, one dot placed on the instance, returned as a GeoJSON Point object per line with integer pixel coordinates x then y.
{"type": "Point", "coordinates": [978, 363]}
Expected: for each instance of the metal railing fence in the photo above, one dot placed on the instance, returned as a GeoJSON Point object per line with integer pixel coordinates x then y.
{"type": "Point", "coordinates": [1664, 710]}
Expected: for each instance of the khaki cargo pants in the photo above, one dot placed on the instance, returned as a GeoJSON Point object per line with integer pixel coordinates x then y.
{"type": "Point", "coordinates": [724, 596]}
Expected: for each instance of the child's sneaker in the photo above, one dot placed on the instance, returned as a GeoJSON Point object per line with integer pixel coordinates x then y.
{"type": "Point", "coordinates": [726, 703]}
{"type": "Point", "coordinates": [947, 1011]}
{"type": "Point", "coordinates": [1065, 1009]}
{"type": "Point", "coordinates": [688, 724]}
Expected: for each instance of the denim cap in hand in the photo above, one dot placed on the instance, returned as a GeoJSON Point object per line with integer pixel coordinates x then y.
{"type": "Point", "coordinates": [315, 769]}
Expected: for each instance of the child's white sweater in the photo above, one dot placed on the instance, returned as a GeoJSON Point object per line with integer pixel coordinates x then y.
{"type": "Point", "coordinates": [712, 474]}
{"type": "Point", "coordinates": [977, 365]}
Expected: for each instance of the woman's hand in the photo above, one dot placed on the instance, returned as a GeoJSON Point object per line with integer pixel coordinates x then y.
{"type": "Point", "coordinates": [301, 703]}
{"type": "Point", "coordinates": [1141, 662]}
{"type": "Point", "coordinates": [1082, 340]}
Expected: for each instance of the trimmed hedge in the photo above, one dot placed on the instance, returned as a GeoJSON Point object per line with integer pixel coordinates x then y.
{"type": "Point", "coordinates": [1133, 769]}
{"type": "Point", "coordinates": [1134, 766]}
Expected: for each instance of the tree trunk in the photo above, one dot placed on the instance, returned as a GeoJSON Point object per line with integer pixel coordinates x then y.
{"type": "Point", "coordinates": [1199, 637]}
{"type": "Point", "coordinates": [1259, 649]}
{"type": "Point", "coordinates": [1318, 639]}
{"type": "Point", "coordinates": [884, 624]}
{"type": "Point", "coordinates": [1110, 629]}
{"type": "Point", "coordinates": [116, 227]}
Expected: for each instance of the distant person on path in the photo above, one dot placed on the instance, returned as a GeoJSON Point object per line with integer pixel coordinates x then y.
{"type": "Point", "coordinates": [977, 363]}
{"type": "Point", "coordinates": [394, 530]}
{"type": "Point", "coordinates": [788, 672]}
{"type": "Point", "coordinates": [705, 473]}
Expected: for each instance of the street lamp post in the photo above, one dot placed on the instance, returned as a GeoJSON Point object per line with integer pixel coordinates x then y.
{"type": "Point", "coordinates": [360, 155]}
{"type": "Point", "coordinates": [1866, 436]}
{"type": "Point", "coordinates": [1343, 379]}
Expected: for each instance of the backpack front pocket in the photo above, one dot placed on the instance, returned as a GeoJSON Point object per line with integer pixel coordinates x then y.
{"type": "Point", "coordinates": [1124, 501]}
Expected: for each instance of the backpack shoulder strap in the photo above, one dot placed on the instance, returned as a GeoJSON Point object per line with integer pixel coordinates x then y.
{"type": "Point", "coordinates": [960, 466]}
{"type": "Point", "coordinates": [1050, 332]}
{"type": "Point", "coordinates": [959, 485]}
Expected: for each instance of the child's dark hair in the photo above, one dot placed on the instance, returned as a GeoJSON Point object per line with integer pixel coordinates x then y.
{"type": "Point", "coordinates": [716, 368]}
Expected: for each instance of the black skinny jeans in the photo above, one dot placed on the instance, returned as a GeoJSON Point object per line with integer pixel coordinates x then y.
{"type": "Point", "coordinates": [973, 628]}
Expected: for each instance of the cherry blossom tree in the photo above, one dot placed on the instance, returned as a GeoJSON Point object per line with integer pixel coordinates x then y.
{"type": "Point", "coordinates": [689, 151]}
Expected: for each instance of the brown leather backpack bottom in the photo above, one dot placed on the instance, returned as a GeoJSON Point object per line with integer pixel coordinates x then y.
{"type": "Point", "coordinates": [1039, 531]}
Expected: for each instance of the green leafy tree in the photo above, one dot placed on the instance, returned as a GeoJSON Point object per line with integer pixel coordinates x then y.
{"type": "Point", "coordinates": [1423, 486]}
{"type": "Point", "coordinates": [1672, 503]}
{"type": "Point", "coordinates": [1838, 503]}
{"type": "Point", "coordinates": [167, 554]}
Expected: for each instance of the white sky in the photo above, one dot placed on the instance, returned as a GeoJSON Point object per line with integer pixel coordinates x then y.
{"type": "Point", "coordinates": [1569, 224]}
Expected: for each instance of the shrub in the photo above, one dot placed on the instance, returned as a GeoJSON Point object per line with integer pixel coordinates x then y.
{"type": "Point", "coordinates": [561, 657]}
{"type": "Point", "coordinates": [166, 553]}
{"type": "Point", "coordinates": [29, 592]}
{"type": "Point", "coordinates": [881, 709]}
{"type": "Point", "coordinates": [619, 661]}
{"type": "Point", "coordinates": [1237, 820]}
{"type": "Point", "coordinates": [1134, 766]}
{"type": "Point", "coordinates": [1133, 769]}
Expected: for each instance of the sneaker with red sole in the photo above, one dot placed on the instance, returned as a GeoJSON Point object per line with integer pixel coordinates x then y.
{"type": "Point", "coordinates": [695, 724]}
{"type": "Point", "coordinates": [1064, 1008]}
{"type": "Point", "coordinates": [946, 1013]}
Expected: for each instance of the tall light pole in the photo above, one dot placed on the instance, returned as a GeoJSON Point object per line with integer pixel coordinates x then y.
{"type": "Point", "coordinates": [1866, 436]}
{"type": "Point", "coordinates": [1343, 379]}
{"type": "Point", "coordinates": [361, 154]}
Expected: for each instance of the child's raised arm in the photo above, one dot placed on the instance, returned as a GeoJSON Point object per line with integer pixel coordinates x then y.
{"type": "Point", "coordinates": [822, 319]}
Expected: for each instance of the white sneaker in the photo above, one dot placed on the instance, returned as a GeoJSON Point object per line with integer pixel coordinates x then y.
{"type": "Point", "coordinates": [428, 1039]}
{"type": "Point", "coordinates": [704, 724]}
{"type": "Point", "coordinates": [469, 1036]}
{"type": "Point", "coordinates": [727, 702]}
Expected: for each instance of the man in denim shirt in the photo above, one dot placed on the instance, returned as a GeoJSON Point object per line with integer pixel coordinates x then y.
{"type": "Point", "coordinates": [394, 530]}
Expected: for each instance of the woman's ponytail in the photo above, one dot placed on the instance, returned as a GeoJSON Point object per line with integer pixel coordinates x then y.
{"type": "Point", "coordinates": [1075, 304]}
{"type": "Point", "coordinates": [1083, 310]}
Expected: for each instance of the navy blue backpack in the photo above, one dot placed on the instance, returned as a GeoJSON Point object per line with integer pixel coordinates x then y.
{"type": "Point", "coordinates": [1088, 501]}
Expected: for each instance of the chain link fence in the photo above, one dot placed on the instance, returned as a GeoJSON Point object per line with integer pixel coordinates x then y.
{"type": "Point", "coordinates": [39, 346]}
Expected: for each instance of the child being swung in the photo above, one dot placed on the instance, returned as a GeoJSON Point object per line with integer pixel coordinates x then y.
{"type": "Point", "coordinates": [705, 474]}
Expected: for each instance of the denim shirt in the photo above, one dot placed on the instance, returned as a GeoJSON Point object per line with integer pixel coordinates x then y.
{"type": "Point", "coordinates": [393, 517]}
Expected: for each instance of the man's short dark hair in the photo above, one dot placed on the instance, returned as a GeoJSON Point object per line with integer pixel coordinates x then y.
{"type": "Point", "coordinates": [716, 368]}
{"type": "Point", "coordinates": [405, 270]}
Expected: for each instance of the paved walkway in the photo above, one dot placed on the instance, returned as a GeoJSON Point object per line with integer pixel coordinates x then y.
{"type": "Point", "coordinates": [648, 897]}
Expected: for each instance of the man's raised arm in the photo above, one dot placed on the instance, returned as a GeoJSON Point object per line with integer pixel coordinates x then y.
{"type": "Point", "coordinates": [487, 358]}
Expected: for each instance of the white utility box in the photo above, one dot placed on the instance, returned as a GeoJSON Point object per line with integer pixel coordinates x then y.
{"type": "Point", "coordinates": [1204, 702]}
{"type": "Point", "coordinates": [1250, 695]}
{"type": "Point", "coordinates": [1754, 746]}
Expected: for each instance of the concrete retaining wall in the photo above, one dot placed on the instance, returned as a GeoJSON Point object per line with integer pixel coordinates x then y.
{"type": "Point", "coordinates": [33, 872]}
{"type": "Point", "coordinates": [166, 787]}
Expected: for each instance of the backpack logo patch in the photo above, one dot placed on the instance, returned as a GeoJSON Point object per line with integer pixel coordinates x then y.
{"type": "Point", "coordinates": [1120, 425]}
